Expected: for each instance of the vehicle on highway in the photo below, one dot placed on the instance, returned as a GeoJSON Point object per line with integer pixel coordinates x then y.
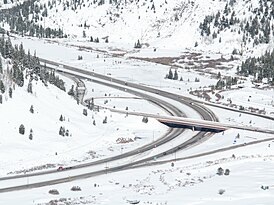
{"type": "Point", "coordinates": [60, 168]}
{"type": "Point", "coordinates": [60, 66]}
{"type": "Point", "coordinates": [63, 168]}
{"type": "Point", "coordinates": [133, 201]}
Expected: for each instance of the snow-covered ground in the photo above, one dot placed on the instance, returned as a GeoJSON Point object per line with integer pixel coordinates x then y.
{"type": "Point", "coordinates": [188, 182]}
{"type": "Point", "coordinates": [191, 181]}
{"type": "Point", "coordinates": [86, 141]}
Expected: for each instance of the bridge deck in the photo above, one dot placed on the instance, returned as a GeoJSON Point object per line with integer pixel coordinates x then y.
{"type": "Point", "coordinates": [193, 126]}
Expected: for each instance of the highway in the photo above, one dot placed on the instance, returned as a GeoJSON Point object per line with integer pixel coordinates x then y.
{"type": "Point", "coordinates": [177, 116]}
{"type": "Point", "coordinates": [171, 134]}
{"type": "Point", "coordinates": [204, 112]}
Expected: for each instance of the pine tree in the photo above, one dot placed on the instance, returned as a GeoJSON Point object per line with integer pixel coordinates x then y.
{"type": "Point", "coordinates": [29, 89]}
{"type": "Point", "coordinates": [175, 77]}
{"type": "Point", "coordinates": [31, 109]}
{"type": "Point", "coordinates": [138, 44]}
{"type": "Point", "coordinates": [1, 66]}
{"type": "Point", "coordinates": [2, 86]}
{"type": "Point", "coordinates": [71, 91]}
{"type": "Point", "coordinates": [62, 131]}
{"type": "Point", "coordinates": [22, 129]}
{"type": "Point", "coordinates": [219, 75]}
{"type": "Point", "coordinates": [31, 134]}
{"type": "Point", "coordinates": [170, 74]}
{"type": "Point", "coordinates": [8, 49]}
{"type": "Point", "coordinates": [10, 92]}
{"type": "Point", "coordinates": [2, 43]}
{"type": "Point", "coordinates": [61, 118]}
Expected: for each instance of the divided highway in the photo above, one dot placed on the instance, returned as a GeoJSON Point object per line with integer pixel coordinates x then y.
{"type": "Point", "coordinates": [171, 134]}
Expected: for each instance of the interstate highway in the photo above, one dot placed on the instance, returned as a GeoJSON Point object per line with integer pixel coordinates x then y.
{"type": "Point", "coordinates": [170, 135]}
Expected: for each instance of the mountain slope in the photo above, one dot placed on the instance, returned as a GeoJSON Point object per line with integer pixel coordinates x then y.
{"type": "Point", "coordinates": [215, 25]}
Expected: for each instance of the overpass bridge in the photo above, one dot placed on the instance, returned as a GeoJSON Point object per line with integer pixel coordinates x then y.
{"type": "Point", "coordinates": [190, 124]}
{"type": "Point", "coordinates": [194, 124]}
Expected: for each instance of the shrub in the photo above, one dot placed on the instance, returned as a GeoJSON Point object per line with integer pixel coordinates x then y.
{"type": "Point", "coordinates": [220, 171]}
{"type": "Point", "coordinates": [145, 120]}
{"type": "Point", "coordinates": [54, 191]}
{"type": "Point", "coordinates": [85, 112]}
{"type": "Point", "coordinates": [227, 172]}
{"type": "Point", "coordinates": [221, 191]}
{"type": "Point", "coordinates": [105, 120]}
{"type": "Point", "coordinates": [75, 188]}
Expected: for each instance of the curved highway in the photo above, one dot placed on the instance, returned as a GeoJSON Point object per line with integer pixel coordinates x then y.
{"type": "Point", "coordinates": [171, 134]}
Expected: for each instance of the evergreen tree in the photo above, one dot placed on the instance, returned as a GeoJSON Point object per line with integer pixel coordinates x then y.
{"type": "Point", "coordinates": [62, 131]}
{"type": "Point", "coordinates": [29, 89]}
{"type": "Point", "coordinates": [2, 43]}
{"type": "Point", "coordinates": [10, 92]}
{"type": "Point", "coordinates": [31, 134]}
{"type": "Point", "coordinates": [2, 86]}
{"type": "Point", "coordinates": [61, 118]}
{"type": "Point", "coordinates": [85, 112]}
{"type": "Point", "coordinates": [170, 74]}
{"type": "Point", "coordinates": [22, 129]}
{"type": "Point", "coordinates": [71, 91]}
{"type": "Point", "coordinates": [31, 109]}
{"type": "Point", "coordinates": [138, 44]}
{"type": "Point", "coordinates": [175, 77]}
{"type": "Point", "coordinates": [1, 66]}
{"type": "Point", "coordinates": [8, 49]}
{"type": "Point", "coordinates": [219, 75]}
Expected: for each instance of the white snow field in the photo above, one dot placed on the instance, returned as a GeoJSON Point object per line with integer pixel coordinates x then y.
{"type": "Point", "coordinates": [190, 181]}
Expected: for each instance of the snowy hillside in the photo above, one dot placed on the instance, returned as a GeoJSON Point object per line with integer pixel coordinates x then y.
{"type": "Point", "coordinates": [198, 24]}
{"type": "Point", "coordinates": [44, 127]}
{"type": "Point", "coordinates": [199, 51]}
